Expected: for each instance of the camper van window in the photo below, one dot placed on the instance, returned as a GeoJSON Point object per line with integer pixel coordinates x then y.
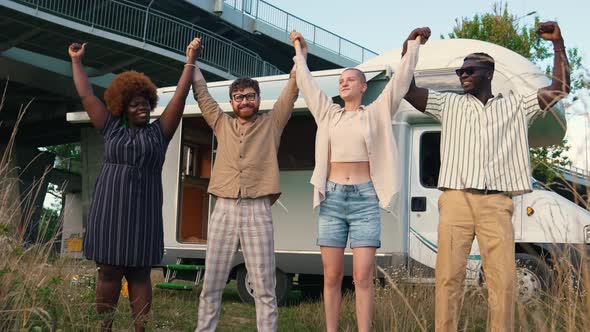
{"type": "Point", "coordinates": [297, 148]}
{"type": "Point", "coordinates": [429, 159]}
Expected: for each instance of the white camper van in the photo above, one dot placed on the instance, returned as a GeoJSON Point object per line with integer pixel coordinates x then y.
{"type": "Point", "coordinates": [409, 230]}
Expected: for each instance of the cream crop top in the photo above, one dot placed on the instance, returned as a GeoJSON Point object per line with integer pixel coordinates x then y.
{"type": "Point", "coordinates": [347, 143]}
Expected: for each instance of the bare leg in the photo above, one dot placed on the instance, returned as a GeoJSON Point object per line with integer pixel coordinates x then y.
{"type": "Point", "coordinates": [333, 263]}
{"type": "Point", "coordinates": [140, 295]}
{"type": "Point", "coordinates": [363, 264]}
{"type": "Point", "coordinates": [108, 289]}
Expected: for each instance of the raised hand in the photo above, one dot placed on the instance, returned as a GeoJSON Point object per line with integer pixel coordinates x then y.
{"type": "Point", "coordinates": [76, 51]}
{"type": "Point", "coordinates": [422, 32]}
{"type": "Point", "coordinates": [297, 37]}
{"type": "Point", "coordinates": [561, 79]}
{"type": "Point", "coordinates": [549, 31]}
{"type": "Point", "coordinates": [193, 50]}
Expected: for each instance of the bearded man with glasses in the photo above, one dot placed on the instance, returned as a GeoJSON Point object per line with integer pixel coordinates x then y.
{"type": "Point", "coordinates": [245, 182]}
{"type": "Point", "coordinates": [484, 162]}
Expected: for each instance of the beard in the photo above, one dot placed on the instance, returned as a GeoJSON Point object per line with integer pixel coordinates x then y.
{"type": "Point", "coordinates": [246, 112]}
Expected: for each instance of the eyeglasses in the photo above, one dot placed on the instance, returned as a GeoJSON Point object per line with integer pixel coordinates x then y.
{"type": "Point", "coordinates": [138, 104]}
{"type": "Point", "coordinates": [468, 70]}
{"type": "Point", "coordinates": [249, 97]}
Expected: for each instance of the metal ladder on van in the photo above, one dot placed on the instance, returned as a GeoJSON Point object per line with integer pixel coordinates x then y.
{"type": "Point", "coordinates": [174, 270]}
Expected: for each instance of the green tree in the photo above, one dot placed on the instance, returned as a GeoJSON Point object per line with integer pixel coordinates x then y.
{"type": "Point", "coordinates": [67, 156]}
{"type": "Point", "coordinates": [503, 28]}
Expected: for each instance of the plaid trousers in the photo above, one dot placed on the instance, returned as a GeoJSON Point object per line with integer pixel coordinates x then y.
{"type": "Point", "coordinates": [248, 223]}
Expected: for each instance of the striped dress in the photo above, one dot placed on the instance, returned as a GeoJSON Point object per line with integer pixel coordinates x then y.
{"type": "Point", "coordinates": [125, 219]}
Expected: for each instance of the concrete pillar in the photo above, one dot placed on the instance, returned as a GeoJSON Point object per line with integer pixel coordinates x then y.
{"type": "Point", "coordinates": [92, 151]}
{"type": "Point", "coordinates": [73, 229]}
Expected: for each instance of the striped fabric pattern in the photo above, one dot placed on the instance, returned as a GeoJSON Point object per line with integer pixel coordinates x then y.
{"type": "Point", "coordinates": [484, 147]}
{"type": "Point", "coordinates": [124, 225]}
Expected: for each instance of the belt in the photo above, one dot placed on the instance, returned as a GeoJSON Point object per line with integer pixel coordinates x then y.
{"type": "Point", "coordinates": [483, 191]}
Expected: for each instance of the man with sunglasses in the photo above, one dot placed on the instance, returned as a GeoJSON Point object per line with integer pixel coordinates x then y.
{"type": "Point", "coordinates": [484, 162]}
{"type": "Point", "coordinates": [245, 182]}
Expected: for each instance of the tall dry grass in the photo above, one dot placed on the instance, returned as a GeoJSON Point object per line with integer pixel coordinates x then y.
{"type": "Point", "coordinates": [36, 289]}
{"type": "Point", "coordinates": [402, 306]}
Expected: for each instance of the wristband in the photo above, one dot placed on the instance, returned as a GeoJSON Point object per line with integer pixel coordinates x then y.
{"type": "Point", "coordinates": [190, 64]}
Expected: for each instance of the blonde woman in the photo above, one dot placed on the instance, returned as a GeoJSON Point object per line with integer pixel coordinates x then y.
{"type": "Point", "coordinates": [356, 163]}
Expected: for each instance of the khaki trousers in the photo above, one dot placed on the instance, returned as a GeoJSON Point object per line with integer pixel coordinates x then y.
{"type": "Point", "coordinates": [464, 215]}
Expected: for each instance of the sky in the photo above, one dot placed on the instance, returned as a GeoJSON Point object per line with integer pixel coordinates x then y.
{"type": "Point", "coordinates": [382, 25]}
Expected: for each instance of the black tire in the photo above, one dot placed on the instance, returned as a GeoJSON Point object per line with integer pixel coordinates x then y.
{"type": "Point", "coordinates": [533, 277]}
{"type": "Point", "coordinates": [245, 291]}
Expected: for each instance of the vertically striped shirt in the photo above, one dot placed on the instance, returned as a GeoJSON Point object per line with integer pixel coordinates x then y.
{"type": "Point", "coordinates": [484, 146]}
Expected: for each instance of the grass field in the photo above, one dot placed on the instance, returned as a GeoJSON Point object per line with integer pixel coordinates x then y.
{"type": "Point", "coordinates": [39, 293]}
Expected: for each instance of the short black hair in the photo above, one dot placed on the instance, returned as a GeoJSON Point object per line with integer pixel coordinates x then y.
{"type": "Point", "coordinates": [482, 58]}
{"type": "Point", "coordinates": [243, 83]}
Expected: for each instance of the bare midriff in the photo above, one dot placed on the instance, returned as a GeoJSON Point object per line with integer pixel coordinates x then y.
{"type": "Point", "coordinates": [350, 172]}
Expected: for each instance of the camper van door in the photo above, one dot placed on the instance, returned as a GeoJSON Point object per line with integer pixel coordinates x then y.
{"type": "Point", "coordinates": [424, 195]}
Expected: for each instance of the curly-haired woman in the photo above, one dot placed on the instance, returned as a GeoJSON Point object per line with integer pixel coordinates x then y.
{"type": "Point", "coordinates": [124, 232]}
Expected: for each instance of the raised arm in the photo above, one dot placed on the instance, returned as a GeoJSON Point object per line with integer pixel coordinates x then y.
{"type": "Point", "coordinates": [317, 101]}
{"type": "Point", "coordinates": [172, 114]}
{"type": "Point", "coordinates": [416, 96]}
{"type": "Point", "coordinates": [398, 86]}
{"type": "Point", "coordinates": [560, 81]}
{"type": "Point", "coordinates": [208, 106]}
{"type": "Point", "coordinates": [94, 107]}
{"type": "Point", "coordinates": [283, 107]}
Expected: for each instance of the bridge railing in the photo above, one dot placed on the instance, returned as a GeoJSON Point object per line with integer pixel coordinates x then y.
{"type": "Point", "coordinates": [574, 171]}
{"type": "Point", "coordinates": [160, 29]}
{"type": "Point", "coordinates": [263, 11]}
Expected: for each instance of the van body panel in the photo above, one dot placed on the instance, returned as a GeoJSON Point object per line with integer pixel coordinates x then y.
{"type": "Point", "coordinates": [409, 228]}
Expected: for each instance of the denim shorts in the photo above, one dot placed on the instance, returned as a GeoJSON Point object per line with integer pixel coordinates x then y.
{"type": "Point", "coordinates": [349, 210]}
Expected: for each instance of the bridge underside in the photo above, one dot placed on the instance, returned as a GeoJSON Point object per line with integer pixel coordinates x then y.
{"type": "Point", "coordinates": [36, 71]}
{"type": "Point", "coordinates": [272, 48]}
{"type": "Point", "coordinates": [36, 67]}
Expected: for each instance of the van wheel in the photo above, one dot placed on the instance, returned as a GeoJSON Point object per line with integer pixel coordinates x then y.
{"type": "Point", "coordinates": [246, 289]}
{"type": "Point", "coordinates": [533, 276]}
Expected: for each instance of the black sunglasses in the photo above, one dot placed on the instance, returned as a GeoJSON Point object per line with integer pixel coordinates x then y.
{"type": "Point", "coordinates": [468, 70]}
{"type": "Point", "coordinates": [239, 97]}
